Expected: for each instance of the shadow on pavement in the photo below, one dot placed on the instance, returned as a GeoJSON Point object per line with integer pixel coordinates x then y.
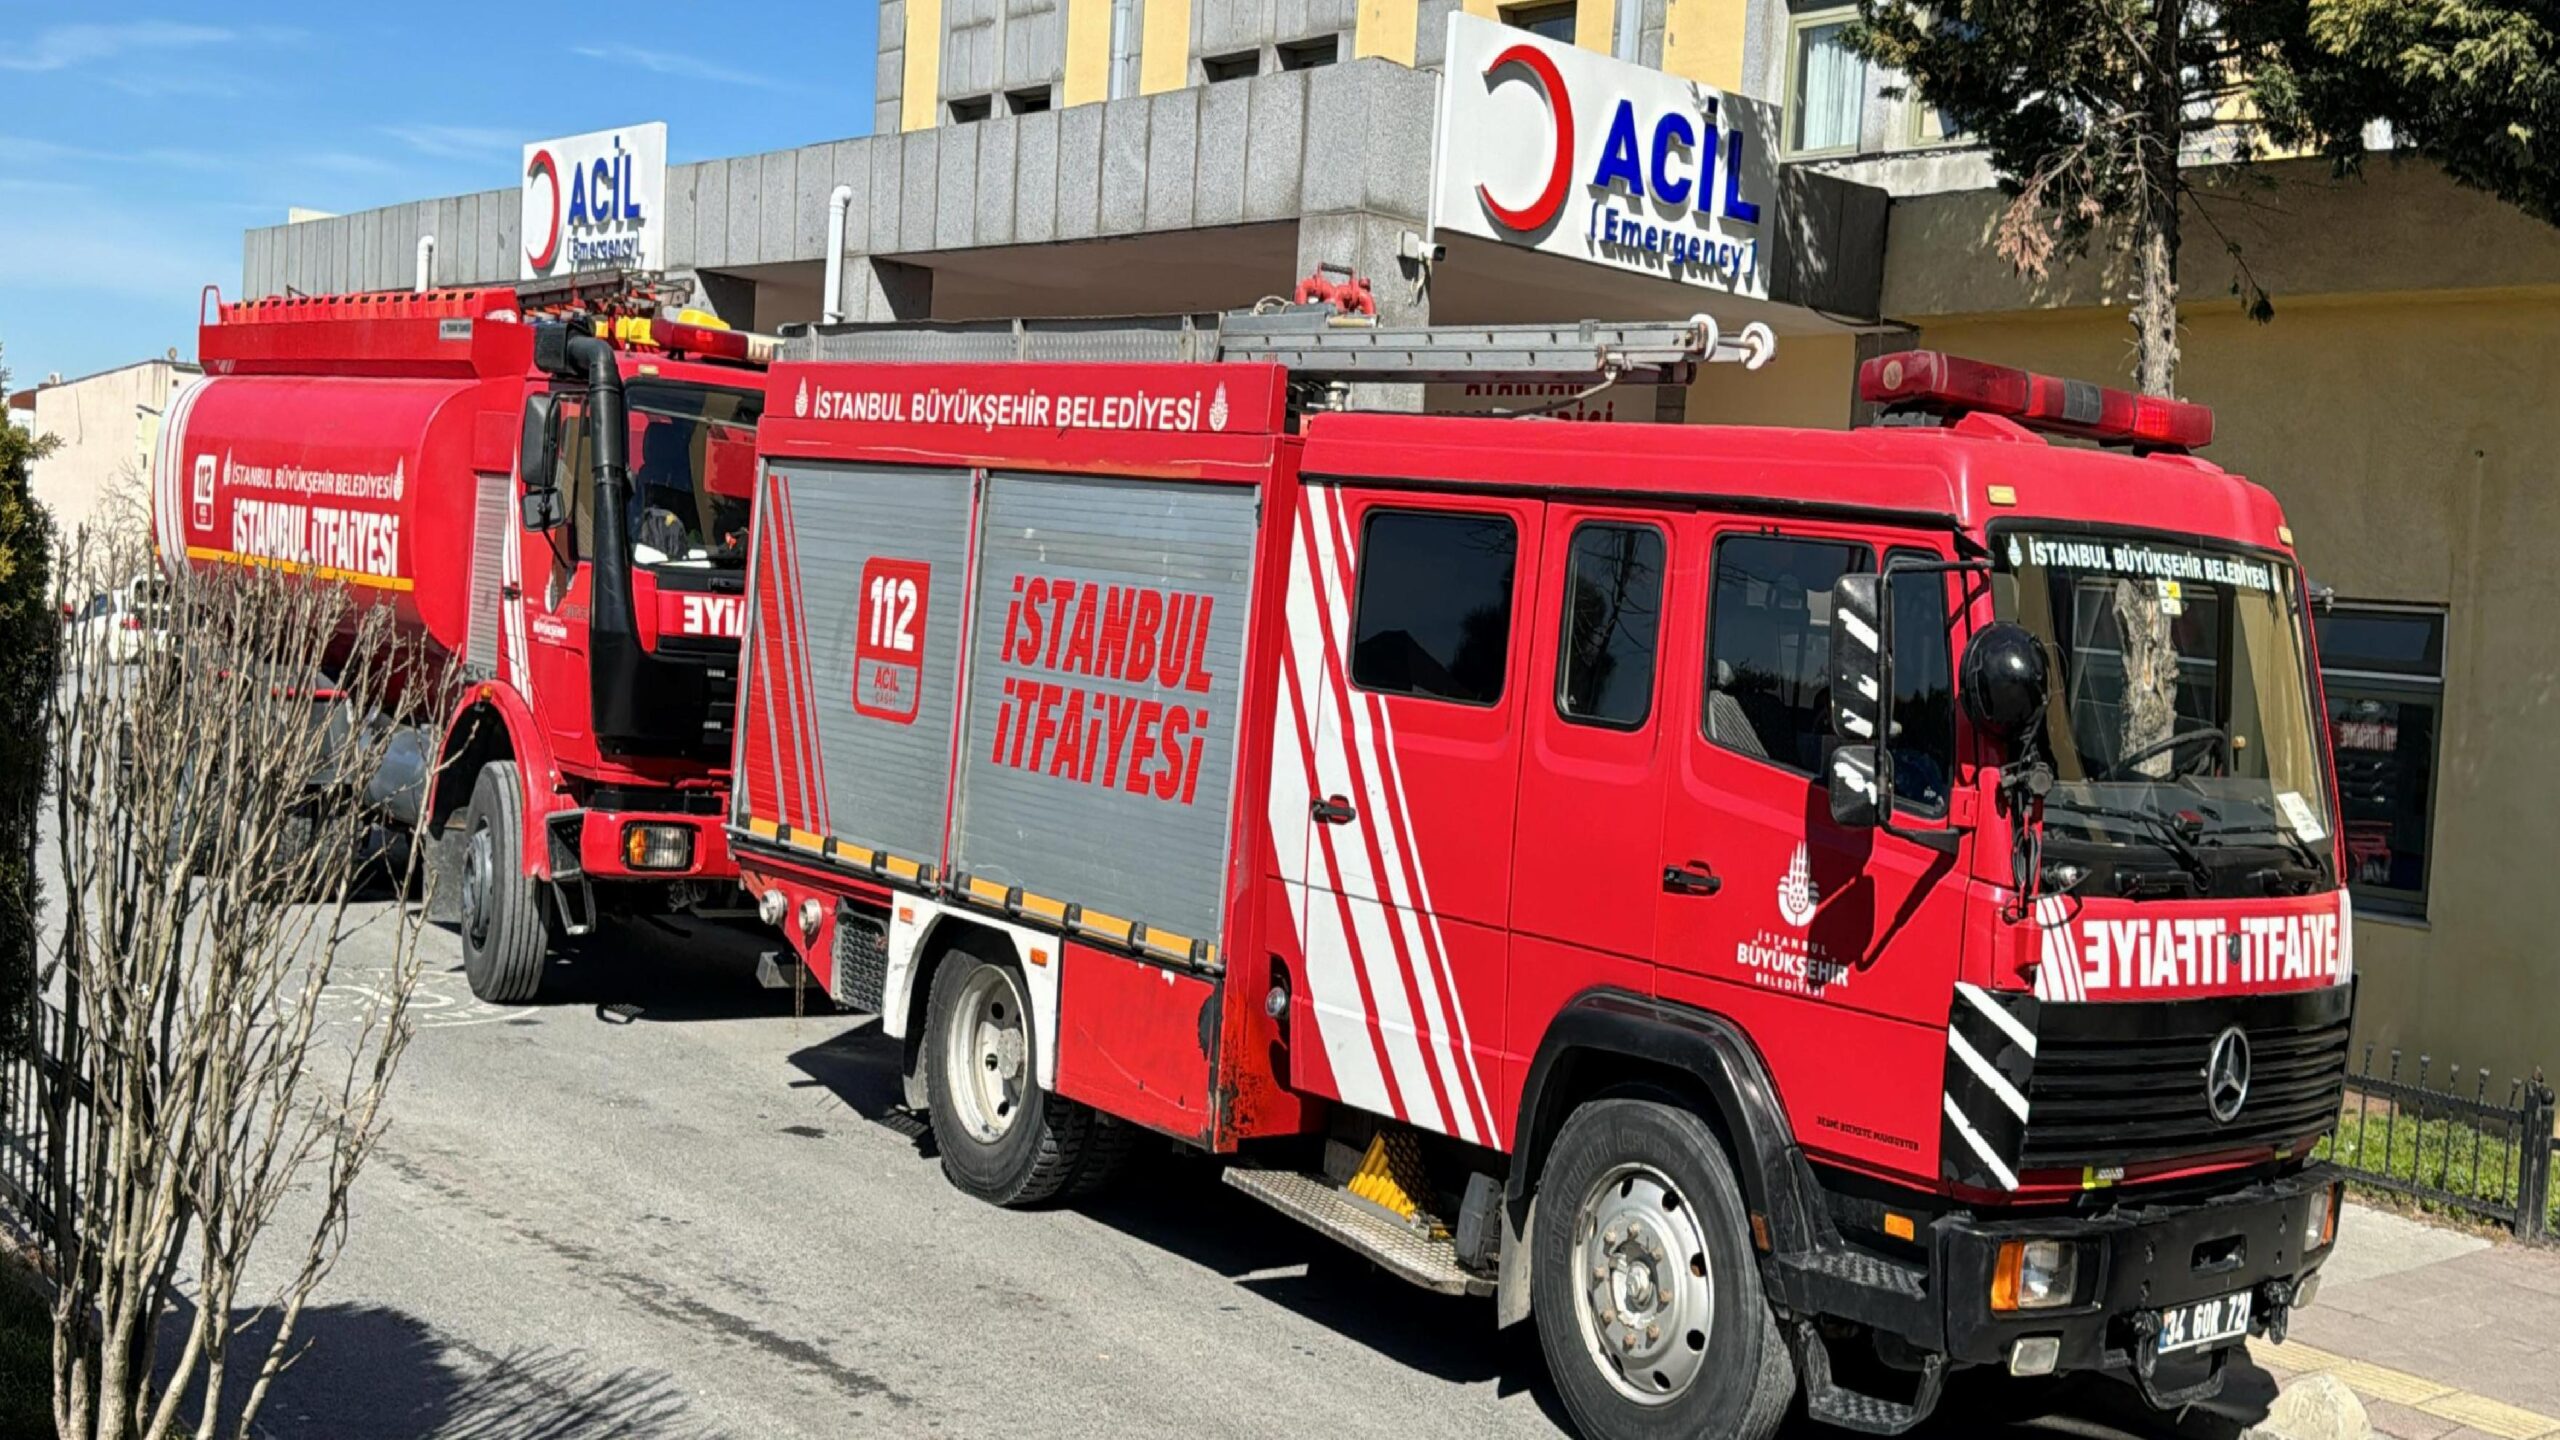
{"type": "Point", "coordinates": [860, 1066]}
{"type": "Point", "coordinates": [381, 1373]}
{"type": "Point", "coordinates": [633, 971]}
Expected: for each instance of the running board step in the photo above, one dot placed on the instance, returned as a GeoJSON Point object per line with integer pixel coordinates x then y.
{"type": "Point", "coordinates": [1341, 1216]}
{"type": "Point", "coordinates": [1826, 1402]}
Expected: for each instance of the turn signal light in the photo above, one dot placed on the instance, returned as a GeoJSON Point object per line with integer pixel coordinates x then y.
{"type": "Point", "coordinates": [1933, 382]}
{"type": "Point", "coordinates": [2034, 1275]}
{"type": "Point", "coordinates": [657, 847]}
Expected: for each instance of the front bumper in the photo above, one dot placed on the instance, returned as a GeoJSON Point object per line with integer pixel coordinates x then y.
{"type": "Point", "coordinates": [2136, 1261]}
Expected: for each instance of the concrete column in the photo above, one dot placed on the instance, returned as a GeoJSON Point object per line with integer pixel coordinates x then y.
{"type": "Point", "coordinates": [876, 290]}
{"type": "Point", "coordinates": [1367, 243]}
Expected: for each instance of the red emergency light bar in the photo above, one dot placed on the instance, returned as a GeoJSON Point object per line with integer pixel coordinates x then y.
{"type": "Point", "coordinates": [1937, 383]}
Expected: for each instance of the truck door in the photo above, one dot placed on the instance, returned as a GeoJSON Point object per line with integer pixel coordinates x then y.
{"type": "Point", "coordinates": [1600, 732]}
{"type": "Point", "coordinates": [554, 583]}
{"type": "Point", "coordinates": [1412, 603]}
{"type": "Point", "coordinates": [1836, 947]}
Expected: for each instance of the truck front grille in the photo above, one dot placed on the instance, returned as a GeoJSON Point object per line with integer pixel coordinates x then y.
{"type": "Point", "coordinates": [2125, 1083]}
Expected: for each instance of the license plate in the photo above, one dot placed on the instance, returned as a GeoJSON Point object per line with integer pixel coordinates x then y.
{"type": "Point", "coordinates": [2206, 1322]}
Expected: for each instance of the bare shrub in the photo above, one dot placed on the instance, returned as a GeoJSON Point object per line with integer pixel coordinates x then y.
{"type": "Point", "coordinates": [209, 863]}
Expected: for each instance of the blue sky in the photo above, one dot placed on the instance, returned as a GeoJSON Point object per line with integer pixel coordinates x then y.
{"type": "Point", "coordinates": [137, 144]}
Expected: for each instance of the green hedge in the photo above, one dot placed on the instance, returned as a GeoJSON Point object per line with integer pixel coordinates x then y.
{"type": "Point", "coordinates": [30, 642]}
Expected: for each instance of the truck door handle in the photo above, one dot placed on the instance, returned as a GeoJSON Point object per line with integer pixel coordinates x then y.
{"type": "Point", "coordinates": [1693, 878]}
{"type": "Point", "coordinates": [1333, 810]}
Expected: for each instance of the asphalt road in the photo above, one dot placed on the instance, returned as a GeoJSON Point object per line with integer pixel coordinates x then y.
{"type": "Point", "coordinates": [703, 1217]}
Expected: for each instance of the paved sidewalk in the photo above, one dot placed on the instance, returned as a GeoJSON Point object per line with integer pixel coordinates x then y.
{"type": "Point", "coordinates": [2444, 1335]}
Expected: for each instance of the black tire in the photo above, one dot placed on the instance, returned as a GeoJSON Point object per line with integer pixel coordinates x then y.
{"type": "Point", "coordinates": [506, 931]}
{"type": "Point", "coordinates": [1108, 1150]}
{"type": "Point", "coordinates": [1745, 1375]}
{"type": "Point", "coordinates": [1041, 1146]}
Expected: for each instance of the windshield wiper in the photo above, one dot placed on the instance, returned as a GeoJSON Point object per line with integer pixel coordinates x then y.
{"type": "Point", "coordinates": [2159, 829]}
{"type": "Point", "coordinates": [2300, 847]}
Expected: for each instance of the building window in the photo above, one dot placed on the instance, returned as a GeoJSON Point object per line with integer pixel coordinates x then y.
{"type": "Point", "coordinates": [2383, 669]}
{"type": "Point", "coordinates": [1929, 126]}
{"type": "Point", "coordinates": [1124, 48]}
{"type": "Point", "coordinates": [1826, 84]}
{"type": "Point", "coordinates": [1612, 614]}
{"type": "Point", "coordinates": [1433, 618]}
{"type": "Point", "coordinates": [1243, 65]}
{"type": "Point", "coordinates": [1308, 54]}
{"type": "Point", "coordinates": [1551, 21]}
{"type": "Point", "coordinates": [972, 110]}
{"type": "Point", "coordinates": [1769, 646]}
{"type": "Point", "coordinates": [1027, 102]}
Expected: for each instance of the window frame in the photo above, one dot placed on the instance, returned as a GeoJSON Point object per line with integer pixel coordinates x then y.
{"type": "Point", "coordinates": [1791, 106]}
{"type": "Point", "coordinates": [1527, 15]}
{"type": "Point", "coordinates": [1360, 595]}
{"type": "Point", "coordinates": [2392, 903]}
{"type": "Point", "coordinates": [1564, 623]}
{"type": "Point", "coordinates": [1707, 657]}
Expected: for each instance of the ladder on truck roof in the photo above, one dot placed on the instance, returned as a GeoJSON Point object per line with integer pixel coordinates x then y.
{"type": "Point", "coordinates": [1315, 342]}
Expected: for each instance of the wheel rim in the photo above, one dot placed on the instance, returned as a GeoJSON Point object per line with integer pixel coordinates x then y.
{"type": "Point", "coordinates": [1643, 1288]}
{"type": "Point", "coordinates": [478, 859]}
{"type": "Point", "coordinates": [986, 1055]}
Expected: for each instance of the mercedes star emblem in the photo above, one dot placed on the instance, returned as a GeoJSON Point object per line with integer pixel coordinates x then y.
{"type": "Point", "coordinates": [2226, 1075]}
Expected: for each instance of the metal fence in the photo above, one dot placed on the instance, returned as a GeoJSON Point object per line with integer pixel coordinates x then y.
{"type": "Point", "coordinates": [2472, 1153]}
{"type": "Point", "coordinates": [44, 1101]}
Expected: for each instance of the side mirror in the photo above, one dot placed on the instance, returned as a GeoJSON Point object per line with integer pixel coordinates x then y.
{"type": "Point", "coordinates": [2003, 679]}
{"type": "Point", "coordinates": [539, 451]}
{"type": "Point", "coordinates": [541, 509]}
{"type": "Point", "coordinates": [1857, 701]}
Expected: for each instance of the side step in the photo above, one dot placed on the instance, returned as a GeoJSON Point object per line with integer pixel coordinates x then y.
{"type": "Point", "coordinates": [1336, 1213]}
{"type": "Point", "coordinates": [1827, 1402]}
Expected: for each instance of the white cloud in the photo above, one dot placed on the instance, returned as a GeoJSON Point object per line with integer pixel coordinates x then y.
{"type": "Point", "coordinates": [458, 142]}
{"type": "Point", "coordinates": [64, 46]}
{"type": "Point", "coordinates": [679, 65]}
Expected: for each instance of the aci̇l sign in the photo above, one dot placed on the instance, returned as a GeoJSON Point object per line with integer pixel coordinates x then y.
{"type": "Point", "coordinates": [595, 202]}
{"type": "Point", "coordinates": [1568, 152]}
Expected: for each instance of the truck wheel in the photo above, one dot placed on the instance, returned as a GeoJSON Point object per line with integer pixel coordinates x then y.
{"type": "Point", "coordinates": [1646, 1291]}
{"type": "Point", "coordinates": [505, 936]}
{"type": "Point", "coordinates": [1002, 1137]}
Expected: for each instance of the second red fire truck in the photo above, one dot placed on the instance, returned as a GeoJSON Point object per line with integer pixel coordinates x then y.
{"type": "Point", "coordinates": [1791, 911]}
{"type": "Point", "coordinates": [549, 487]}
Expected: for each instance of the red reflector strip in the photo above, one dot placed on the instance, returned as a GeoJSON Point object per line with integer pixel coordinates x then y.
{"type": "Point", "coordinates": [1931, 380]}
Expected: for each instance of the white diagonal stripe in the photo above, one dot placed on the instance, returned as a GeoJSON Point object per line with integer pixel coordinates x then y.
{"type": "Point", "coordinates": [2017, 1032]}
{"type": "Point", "coordinates": [1981, 1147]}
{"type": "Point", "coordinates": [1983, 1072]}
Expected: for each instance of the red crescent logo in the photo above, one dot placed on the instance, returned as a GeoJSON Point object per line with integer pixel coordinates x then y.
{"type": "Point", "coordinates": [1541, 73]}
{"type": "Point", "coordinates": [544, 168]}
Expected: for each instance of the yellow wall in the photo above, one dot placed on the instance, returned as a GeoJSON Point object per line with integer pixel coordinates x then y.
{"type": "Point", "coordinates": [920, 98]}
{"type": "Point", "coordinates": [2411, 441]}
{"type": "Point", "coordinates": [1595, 25]}
{"type": "Point", "coordinates": [1386, 31]}
{"type": "Point", "coordinates": [1164, 59]}
{"type": "Point", "coordinates": [1808, 383]}
{"type": "Point", "coordinates": [1088, 51]}
{"type": "Point", "coordinates": [1702, 41]}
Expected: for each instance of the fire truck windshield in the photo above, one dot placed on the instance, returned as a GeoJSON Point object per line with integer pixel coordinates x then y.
{"type": "Point", "coordinates": [693, 454]}
{"type": "Point", "coordinates": [2180, 721]}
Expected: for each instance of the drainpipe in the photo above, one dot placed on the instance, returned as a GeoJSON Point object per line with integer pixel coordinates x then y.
{"type": "Point", "coordinates": [426, 263]}
{"type": "Point", "coordinates": [839, 201]}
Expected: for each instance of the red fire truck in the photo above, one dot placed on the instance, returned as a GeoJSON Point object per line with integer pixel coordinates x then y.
{"type": "Point", "coordinates": [464, 456]}
{"type": "Point", "coordinates": [1786, 909]}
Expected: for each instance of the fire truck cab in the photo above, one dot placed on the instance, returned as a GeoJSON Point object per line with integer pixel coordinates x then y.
{"type": "Point", "coordinates": [1788, 910]}
{"type": "Point", "coordinates": [549, 485]}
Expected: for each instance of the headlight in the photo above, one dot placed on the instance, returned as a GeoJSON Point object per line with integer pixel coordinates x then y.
{"type": "Point", "coordinates": [2320, 1228]}
{"type": "Point", "coordinates": [2035, 1275]}
{"type": "Point", "coordinates": [657, 847]}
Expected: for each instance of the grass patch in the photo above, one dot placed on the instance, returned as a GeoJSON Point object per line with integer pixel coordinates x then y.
{"type": "Point", "coordinates": [2445, 1154]}
{"type": "Point", "coordinates": [26, 1357]}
